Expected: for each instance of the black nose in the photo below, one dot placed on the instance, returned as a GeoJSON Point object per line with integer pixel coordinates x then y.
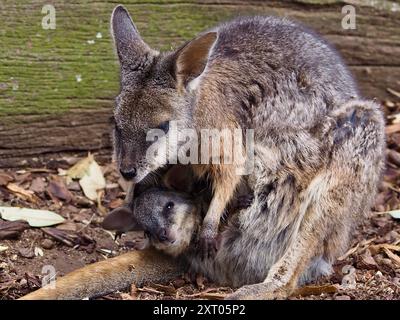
{"type": "Point", "coordinates": [128, 174]}
{"type": "Point", "coordinates": [162, 235]}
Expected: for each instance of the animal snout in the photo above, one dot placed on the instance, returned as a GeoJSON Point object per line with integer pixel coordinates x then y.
{"type": "Point", "coordinates": [128, 174]}
{"type": "Point", "coordinates": [162, 235]}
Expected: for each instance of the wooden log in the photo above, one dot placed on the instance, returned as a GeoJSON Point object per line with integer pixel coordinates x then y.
{"type": "Point", "coordinates": [57, 86]}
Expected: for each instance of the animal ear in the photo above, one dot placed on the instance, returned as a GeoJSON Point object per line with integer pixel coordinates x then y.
{"type": "Point", "coordinates": [131, 49]}
{"type": "Point", "coordinates": [192, 57]}
{"type": "Point", "coordinates": [121, 219]}
{"type": "Point", "coordinates": [179, 178]}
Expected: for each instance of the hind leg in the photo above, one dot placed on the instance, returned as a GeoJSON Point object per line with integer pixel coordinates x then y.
{"type": "Point", "coordinates": [333, 201]}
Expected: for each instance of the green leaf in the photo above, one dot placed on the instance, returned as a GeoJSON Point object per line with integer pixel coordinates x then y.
{"type": "Point", "coordinates": [35, 218]}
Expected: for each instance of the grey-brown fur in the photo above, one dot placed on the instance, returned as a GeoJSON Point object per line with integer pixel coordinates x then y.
{"type": "Point", "coordinates": [318, 145]}
{"type": "Point", "coordinates": [170, 217]}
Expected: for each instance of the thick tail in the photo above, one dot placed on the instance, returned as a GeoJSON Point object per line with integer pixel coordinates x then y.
{"type": "Point", "coordinates": [110, 275]}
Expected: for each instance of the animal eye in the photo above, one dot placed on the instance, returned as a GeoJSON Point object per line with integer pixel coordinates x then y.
{"type": "Point", "coordinates": [169, 205]}
{"type": "Point", "coordinates": [164, 126]}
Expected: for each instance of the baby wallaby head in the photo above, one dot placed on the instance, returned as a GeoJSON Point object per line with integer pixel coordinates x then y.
{"type": "Point", "coordinates": [170, 218]}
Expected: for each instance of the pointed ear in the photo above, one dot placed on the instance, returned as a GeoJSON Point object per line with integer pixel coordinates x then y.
{"type": "Point", "coordinates": [179, 178]}
{"type": "Point", "coordinates": [191, 58]}
{"type": "Point", "coordinates": [131, 49]}
{"type": "Point", "coordinates": [120, 219]}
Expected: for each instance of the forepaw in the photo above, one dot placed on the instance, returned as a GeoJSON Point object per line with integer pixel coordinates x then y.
{"type": "Point", "coordinates": [208, 247]}
{"type": "Point", "coordinates": [259, 291]}
{"type": "Point", "coordinates": [208, 243]}
{"type": "Point", "coordinates": [139, 243]}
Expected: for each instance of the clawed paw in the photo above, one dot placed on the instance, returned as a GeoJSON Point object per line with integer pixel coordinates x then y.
{"type": "Point", "coordinates": [208, 242]}
{"type": "Point", "coordinates": [139, 243]}
{"type": "Point", "coordinates": [208, 247]}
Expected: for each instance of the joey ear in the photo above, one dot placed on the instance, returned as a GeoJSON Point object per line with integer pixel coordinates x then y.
{"type": "Point", "coordinates": [131, 49]}
{"type": "Point", "coordinates": [192, 57]}
{"type": "Point", "coordinates": [120, 219]}
{"type": "Point", "coordinates": [179, 178]}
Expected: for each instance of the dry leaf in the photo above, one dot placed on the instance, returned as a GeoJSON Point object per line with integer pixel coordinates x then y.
{"type": "Point", "coordinates": [58, 189]}
{"type": "Point", "coordinates": [91, 178]}
{"type": "Point", "coordinates": [394, 156]}
{"type": "Point", "coordinates": [395, 118]}
{"type": "Point", "coordinates": [35, 218]}
{"type": "Point", "coordinates": [38, 185]}
{"type": "Point", "coordinates": [392, 256]}
{"type": "Point", "coordinates": [3, 248]}
{"type": "Point", "coordinates": [67, 226]}
{"type": "Point", "coordinates": [366, 261]}
{"type": "Point", "coordinates": [348, 253]}
{"type": "Point", "coordinates": [170, 290]}
{"type": "Point", "coordinates": [26, 253]}
{"type": "Point", "coordinates": [22, 193]}
{"type": "Point", "coordinates": [375, 248]}
{"type": "Point", "coordinates": [80, 168]}
{"type": "Point", "coordinates": [392, 128]}
{"type": "Point", "coordinates": [116, 203]}
{"type": "Point", "coordinates": [90, 175]}
{"type": "Point", "coordinates": [5, 178]}
{"type": "Point", "coordinates": [393, 92]}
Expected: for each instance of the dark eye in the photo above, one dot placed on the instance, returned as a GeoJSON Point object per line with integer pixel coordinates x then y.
{"type": "Point", "coordinates": [168, 208]}
{"type": "Point", "coordinates": [169, 205]}
{"type": "Point", "coordinates": [164, 126]}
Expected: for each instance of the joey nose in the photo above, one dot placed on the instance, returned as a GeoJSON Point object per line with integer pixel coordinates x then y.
{"type": "Point", "coordinates": [128, 174]}
{"type": "Point", "coordinates": [162, 235]}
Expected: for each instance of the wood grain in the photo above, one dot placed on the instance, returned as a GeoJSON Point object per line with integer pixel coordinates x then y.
{"type": "Point", "coordinates": [44, 109]}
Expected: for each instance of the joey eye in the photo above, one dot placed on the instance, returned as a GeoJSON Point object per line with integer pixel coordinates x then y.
{"type": "Point", "coordinates": [164, 126]}
{"type": "Point", "coordinates": [168, 208]}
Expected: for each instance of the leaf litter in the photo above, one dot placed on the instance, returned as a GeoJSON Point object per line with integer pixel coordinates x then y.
{"type": "Point", "coordinates": [370, 268]}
